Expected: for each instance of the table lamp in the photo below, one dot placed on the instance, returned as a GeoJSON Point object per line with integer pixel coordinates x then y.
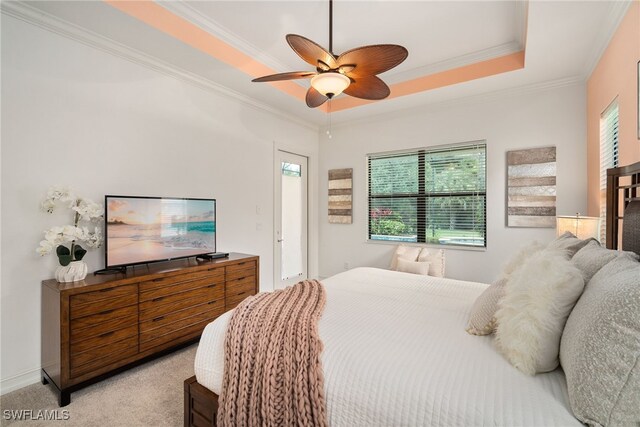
{"type": "Point", "coordinates": [583, 227]}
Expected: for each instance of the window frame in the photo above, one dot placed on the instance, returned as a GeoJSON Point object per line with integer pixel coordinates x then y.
{"type": "Point", "coordinates": [613, 156]}
{"type": "Point", "coordinates": [421, 196]}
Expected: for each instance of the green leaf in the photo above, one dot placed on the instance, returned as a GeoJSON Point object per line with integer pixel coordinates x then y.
{"type": "Point", "coordinates": [62, 250]}
{"type": "Point", "coordinates": [79, 252]}
{"type": "Point", "coordinates": [65, 260]}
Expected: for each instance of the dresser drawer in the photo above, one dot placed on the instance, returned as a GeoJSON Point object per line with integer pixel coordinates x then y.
{"type": "Point", "coordinates": [242, 269]}
{"type": "Point", "coordinates": [169, 320]}
{"type": "Point", "coordinates": [170, 303]}
{"type": "Point", "coordinates": [94, 344]}
{"type": "Point", "coordinates": [182, 286]}
{"type": "Point", "coordinates": [214, 273]}
{"type": "Point", "coordinates": [183, 322]}
{"type": "Point", "coordinates": [79, 359]}
{"type": "Point", "coordinates": [112, 324]}
{"type": "Point", "coordinates": [96, 296]}
{"type": "Point", "coordinates": [101, 306]}
{"type": "Point", "coordinates": [234, 299]}
{"type": "Point", "coordinates": [88, 361]}
{"type": "Point", "coordinates": [102, 316]}
{"type": "Point", "coordinates": [177, 336]}
{"type": "Point", "coordinates": [242, 284]}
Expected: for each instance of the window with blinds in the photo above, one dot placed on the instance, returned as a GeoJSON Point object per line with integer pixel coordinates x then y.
{"type": "Point", "coordinates": [435, 195]}
{"type": "Point", "coordinates": [608, 158]}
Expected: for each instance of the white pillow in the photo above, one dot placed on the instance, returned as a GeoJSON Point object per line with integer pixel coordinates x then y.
{"type": "Point", "coordinates": [435, 257]}
{"type": "Point", "coordinates": [538, 299]}
{"type": "Point", "coordinates": [409, 253]}
{"type": "Point", "coordinates": [415, 267]}
{"type": "Point", "coordinates": [519, 259]}
{"type": "Point", "coordinates": [482, 319]}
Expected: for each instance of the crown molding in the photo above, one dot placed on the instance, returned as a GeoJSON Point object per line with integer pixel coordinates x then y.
{"type": "Point", "coordinates": [456, 62]}
{"type": "Point", "coordinates": [517, 45]}
{"type": "Point", "coordinates": [195, 17]}
{"type": "Point", "coordinates": [617, 11]}
{"type": "Point", "coordinates": [31, 15]}
{"type": "Point", "coordinates": [187, 12]}
{"type": "Point", "coordinates": [467, 100]}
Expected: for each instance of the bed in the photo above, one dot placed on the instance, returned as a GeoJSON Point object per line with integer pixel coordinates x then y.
{"type": "Point", "coordinates": [396, 353]}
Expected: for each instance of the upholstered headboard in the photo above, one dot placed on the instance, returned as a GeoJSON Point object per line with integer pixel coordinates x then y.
{"type": "Point", "coordinates": [623, 208]}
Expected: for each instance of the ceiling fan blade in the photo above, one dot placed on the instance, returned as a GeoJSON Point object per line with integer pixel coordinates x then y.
{"type": "Point", "coordinates": [310, 51]}
{"type": "Point", "coordinates": [372, 60]}
{"type": "Point", "coordinates": [314, 98]}
{"type": "Point", "coordinates": [285, 76]}
{"type": "Point", "coordinates": [370, 87]}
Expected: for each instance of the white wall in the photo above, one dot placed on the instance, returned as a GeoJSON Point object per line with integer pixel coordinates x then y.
{"type": "Point", "coordinates": [72, 114]}
{"type": "Point", "coordinates": [553, 117]}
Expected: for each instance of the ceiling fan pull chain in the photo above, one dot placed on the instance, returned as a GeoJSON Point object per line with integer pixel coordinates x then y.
{"type": "Point", "coordinates": [329, 119]}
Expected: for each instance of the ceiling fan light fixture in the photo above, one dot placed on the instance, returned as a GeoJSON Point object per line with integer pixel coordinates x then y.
{"type": "Point", "coordinates": [330, 84]}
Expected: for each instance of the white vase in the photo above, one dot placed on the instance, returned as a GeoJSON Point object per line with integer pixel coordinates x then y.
{"type": "Point", "coordinates": [76, 270]}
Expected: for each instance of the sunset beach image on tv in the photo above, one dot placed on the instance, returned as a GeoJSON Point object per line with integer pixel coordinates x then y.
{"type": "Point", "coordinates": [143, 230]}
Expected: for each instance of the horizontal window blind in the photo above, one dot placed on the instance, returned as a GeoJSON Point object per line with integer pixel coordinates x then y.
{"type": "Point", "coordinates": [433, 195]}
{"type": "Point", "coordinates": [608, 159]}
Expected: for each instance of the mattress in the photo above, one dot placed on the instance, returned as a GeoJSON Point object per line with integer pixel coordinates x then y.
{"type": "Point", "coordinates": [396, 353]}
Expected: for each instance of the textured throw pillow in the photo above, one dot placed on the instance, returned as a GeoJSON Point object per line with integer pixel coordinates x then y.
{"type": "Point", "coordinates": [435, 257]}
{"type": "Point", "coordinates": [591, 258]}
{"type": "Point", "coordinates": [409, 253]}
{"type": "Point", "coordinates": [600, 348]}
{"type": "Point", "coordinates": [415, 267]}
{"type": "Point", "coordinates": [482, 318]}
{"type": "Point", "coordinates": [569, 243]}
{"type": "Point", "coordinates": [538, 299]}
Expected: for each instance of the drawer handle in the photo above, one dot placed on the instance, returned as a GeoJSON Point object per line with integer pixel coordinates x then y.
{"type": "Point", "coordinates": [241, 278]}
{"type": "Point", "coordinates": [212, 302]}
{"type": "Point", "coordinates": [106, 334]}
{"type": "Point", "coordinates": [241, 263]}
{"type": "Point", "coordinates": [157, 299]}
{"type": "Point", "coordinates": [157, 280]}
{"type": "Point", "coordinates": [241, 293]}
{"type": "Point", "coordinates": [157, 319]}
{"type": "Point", "coordinates": [106, 290]}
{"type": "Point", "coordinates": [212, 286]}
{"type": "Point", "coordinates": [106, 312]}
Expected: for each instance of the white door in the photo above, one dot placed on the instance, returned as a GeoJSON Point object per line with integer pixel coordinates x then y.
{"type": "Point", "coordinates": [290, 219]}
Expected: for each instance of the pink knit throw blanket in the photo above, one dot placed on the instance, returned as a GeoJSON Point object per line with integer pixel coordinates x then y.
{"type": "Point", "coordinates": [272, 371]}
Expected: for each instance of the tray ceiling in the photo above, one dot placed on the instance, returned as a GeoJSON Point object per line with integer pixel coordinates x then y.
{"type": "Point", "coordinates": [454, 47]}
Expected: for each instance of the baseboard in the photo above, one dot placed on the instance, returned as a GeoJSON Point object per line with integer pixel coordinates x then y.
{"type": "Point", "coordinates": [16, 382]}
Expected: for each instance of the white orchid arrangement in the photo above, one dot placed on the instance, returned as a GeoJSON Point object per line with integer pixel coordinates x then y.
{"type": "Point", "coordinates": [85, 210]}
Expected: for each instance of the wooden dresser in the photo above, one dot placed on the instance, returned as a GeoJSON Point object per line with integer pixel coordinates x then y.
{"type": "Point", "coordinates": [104, 324]}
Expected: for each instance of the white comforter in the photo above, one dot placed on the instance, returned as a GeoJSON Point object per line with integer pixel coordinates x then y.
{"type": "Point", "coordinates": [396, 354]}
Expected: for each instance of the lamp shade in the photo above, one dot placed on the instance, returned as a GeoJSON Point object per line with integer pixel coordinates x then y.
{"type": "Point", "coordinates": [330, 84]}
{"type": "Point", "coordinates": [583, 227]}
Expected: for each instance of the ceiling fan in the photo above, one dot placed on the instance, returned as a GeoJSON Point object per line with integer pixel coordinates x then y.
{"type": "Point", "coordinates": [353, 72]}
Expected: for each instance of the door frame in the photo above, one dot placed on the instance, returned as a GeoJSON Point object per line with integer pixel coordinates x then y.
{"type": "Point", "coordinates": [276, 219]}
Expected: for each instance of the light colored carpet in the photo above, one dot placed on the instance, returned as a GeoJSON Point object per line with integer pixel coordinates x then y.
{"type": "Point", "coordinates": [148, 395]}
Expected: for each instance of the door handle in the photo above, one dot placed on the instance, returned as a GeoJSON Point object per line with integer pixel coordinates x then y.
{"type": "Point", "coordinates": [280, 240]}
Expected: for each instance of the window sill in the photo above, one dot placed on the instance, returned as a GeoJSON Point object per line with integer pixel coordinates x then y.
{"type": "Point", "coordinates": [426, 245]}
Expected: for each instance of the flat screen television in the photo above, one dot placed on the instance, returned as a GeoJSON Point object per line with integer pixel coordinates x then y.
{"type": "Point", "coordinates": [141, 230]}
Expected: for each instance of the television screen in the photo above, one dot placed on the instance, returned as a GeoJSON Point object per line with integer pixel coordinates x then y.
{"type": "Point", "coordinates": [146, 229]}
